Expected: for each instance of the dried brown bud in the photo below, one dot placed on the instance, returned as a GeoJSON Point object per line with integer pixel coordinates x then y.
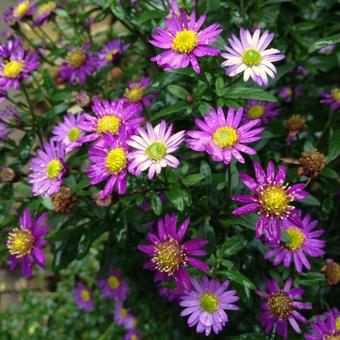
{"type": "Point", "coordinates": [116, 72]}
{"type": "Point", "coordinates": [7, 175]}
{"type": "Point", "coordinates": [312, 162]}
{"type": "Point", "coordinates": [64, 200]}
{"type": "Point", "coordinates": [296, 123]}
{"type": "Point", "coordinates": [82, 99]}
{"type": "Point", "coordinates": [189, 99]}
{"type": "Point", "coordinates": [332, 272]}
{"type": "Point", "coordinates": [102, 202]}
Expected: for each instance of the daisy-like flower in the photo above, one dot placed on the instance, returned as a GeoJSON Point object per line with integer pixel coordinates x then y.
{"type": "Point", "coordinates": [286, 92]}
{"type": "Point", "coordinates": [69, 133]}
{"type": "Point", "coordinates": [78, 66]}
{"type": "Point", "coordinates": [264, 111]}
{"type": "Point", "coordinates": [18, 66]}
{"type": "Point", "coordinates": [10, 47]}
{"type": "Point", "coordinates": [154, 149]}
{"type": "Point", "coordinates": [184, 41]}
{"type": "Point", "coordinates": [327, 50]}
{"type": "Point", "coordinates": [169, 255]}
{"type": "Point", "coordinates": [135, 95]}
{"type": "Point", "coordinates": [24, 9]}
{"type": "Point", "coordinates": [111, 52]}
{"type": "Point", "coordinates": [111, 117]}
{"type": "Point", "coordinates": [84, 297]}
{"type": "Point", "coordinates": [113, 286]}
{"type": "Point", "coordinates": [281, 306]}
{"type": "Point", "coordinates": [302, 242]}
{"type": "Point", "coordinates": [132, 334]}
{"type": "Point", "coordinates": [223, 137]}
{"type": "Point", "coordinates": [48, 169]}
{"type": "Point", "coordinates": [109, 162]}
{"type": "Point", "coordinates": [123, 317]}
{"type": "Point", "coordinates": [331, 98]}
{"type": "Point", "coordinates": [44, 12]}
{"type": "Point", "coordinates": [206, 304]}
{"type": "Point", "coordinates": [326, 327]}
{"type": "Point", "coordinates": [271, 199]}
{"type": "Point", "coordinates": [250, 56]}
{"type": "Point", "coordinates": [9, 116]}
{"type": "Point", "coordinates": [25, 243]}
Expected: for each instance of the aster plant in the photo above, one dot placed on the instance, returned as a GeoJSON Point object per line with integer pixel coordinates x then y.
{"type": "Point", "coordinates": [84, 297]}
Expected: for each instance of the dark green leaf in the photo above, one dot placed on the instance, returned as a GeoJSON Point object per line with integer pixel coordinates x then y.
{"type": "Point", "coordinates": [192, 179]}
{"type": "Point", "coordinates": [156, 205]}
{"type": "Point", "coordinates": [334, 39]}
{"type": "Point", "coordinates": [233, 245]}
{"type": "Point", "coordinates": [248, 93]}
{"type": "Point", "coordinates": [178, 91]}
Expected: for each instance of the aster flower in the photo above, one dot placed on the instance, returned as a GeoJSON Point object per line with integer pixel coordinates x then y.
{"type": "Point", "coordinates": [9, 116]}
{"type": "Point", "coordinates": [132, 334]}
{"type": "Point", "coordinates": [78, 66]}
{"type": "Point", "coordinates": [286, 92]}
{"type": "Point", "coordinates": [111, 117]}
{"type": "Point", "coordinates": [295, 124]}
{"type": "Point", "coordinates": [206, 304]}
{"type": "Point", "coordinates": [113, 286]}
{"type": "Point", "coordinates": [24, 9]}
{"type": "Point", "coordinates": [312, 162]}
{"type": "Point", "coordinates": [123, 317]}
{"type": "Point", "coordinates": [111, 52]}
{"type": "Point", "coordinates": [10, 47]}
{"type": "Point", "coordinates": [84, 297]}
{"type": "Point", "coordinates": [271, 199]}
{"type": "Point", "coordinates": [19, 66]}
{"type": "Point", "coordinates": [170, 255]}
{"type": "Point", "coordinates": [154, 149]}
{"type": "Point", "coordinates": [48, 169]}
{"type": "Point", "coordinates": [44, 12]}
{"type": "Point", "coordinates": [264, 111]}
{"type": "Point", "coordinates": [69, 133]}
{"type": "Point", "coordinates": [331, 98]}
{"type": "Point", "coordinates": [250, 56]}
{"type": "Point", "coordinates": [171, 293]}
{"type": "Point", "coordinates": [25, 243]}
{"type": "Point", "coordinates": [135, 95]}
{"type": "Point", "coordinates": [280, 306]}
{"type": "Point", "coordinates": [327, 50]}
{"type": "Point", "coordinates": [223, 137]}
{"type": "Point", "coordinates": [302, 242]}
{"type": "Point", "coordinates": [325, 327]}
{"type": "Point", "coordinates": [303, 70]}
{"type": "Point", "coordinates": [184, 41]}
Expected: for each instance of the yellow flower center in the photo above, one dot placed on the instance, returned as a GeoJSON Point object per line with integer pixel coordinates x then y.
{"type": "Point", "coordinates": [169, 256]}
{"type": "Point", "coordinates": [21, 9]}
{"type": "Point", "coordinates": [251, 57]}
{"type": "Point", "coordinates": [134, 337]}
{"type": "Point", "coordinates": [274, 200]}
{"type": "Point", "coordinates": [296, 238]}
{"type": "Point", "coordinates": [156, 151]}
{"type": "Point", "coordinates": [225, 137]}
{"type": "Point", "coordinates": [331, 337]}
{"type": "Point", "coordinates": [123, 312]}
{"type": "Point", "coordinates": [45, 8]}
{"type": "Point", "coordinates": [255, 111]}
{"type": "Point", "coordinates": [337, 324]}
{"type": "Point", "coordinates": [280, 305]}
{"type": "Point", "coordinates": [111, 54]}
{"type": "Point", "coordinates": [54, 168]}
{"type": "Point", "coordinates": [113, 281]}
{"type": "Point", "coordinates": [116, 160]}
{"type": "Point", "coordinates": [135, 94]}
{"type": "Point", "coordinates": [20, 242]}
{"type": "Point", "coordinates": [76, 58]}
{"type": "Point", "coordinates": [209, 302]}
{"type": "Point", "coordinates": [85, 295]}
{"type": "Point", "coordinates": [12, 69]}
{"type": "Point", "coordinates": [108, 124]}
{"type": "Point", "coordinates": [74, 134]}
{"type": "Point", "coordinates": [336, 94]}
{"type": "Point", "coordinates": [185, 41]}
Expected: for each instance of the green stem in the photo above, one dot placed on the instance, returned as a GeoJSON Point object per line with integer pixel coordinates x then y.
{"type": "Point", "coordinates": [324, 131]}
{"type": "Point", "coordinates": [48, 38]}
{"type": "Point", "coordinates": [19, 105]}
{"type": "Point", "coordinates": [229, 183]}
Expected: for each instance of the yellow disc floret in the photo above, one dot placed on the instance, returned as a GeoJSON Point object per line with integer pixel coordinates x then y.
{"type": "Point", "coordinates": [113, 281]}
{"type": "Point", "coordinates": [123, 312]}
{"type": "Point", "coordinates": [116, 160]}
{"type": "Point", "coordinates": [108, 124]}
{"type": "Point", "coordinates": [156, 151]}
{"type": "Point", "coordinates": [54, 168]}
{"type": "Point", "coordinates": [251, 57]}
{"type": "Point", "coordinates": [74, 134]}
{"type": "Point", "coordinates": [274, 200]}
{"type": "Point", "coordinates": [111, 54]}
{"type": "Point", "coordinates": [209, 302]}
{"type": "Point", "coordinates": [255, 111]}
{"type": "Point", "coordinates": [20, 242]}
{"type": "Point", "coordinates": [76, 57]}
{"type": "Point", "coordinates": [135, 94]}
{"type": "Point", "coordinates": [12, 69]}
{"type": "Point", "coordinates": [45, 8]}
{"type": "Point", "coordinates": [185, 41]}
{"type": "Point", "coordinates": [280, 305]}
{"type": "Point", "coordinates": [85, 295]}
{"type": "Point", "coordinates": [336, 94]}
{"type": "Point", "coordinates": [21, 9]}
{"type": "Point", "coordinates": [297, 238]}
{"type": "Point", "coordinates": [225, 137]}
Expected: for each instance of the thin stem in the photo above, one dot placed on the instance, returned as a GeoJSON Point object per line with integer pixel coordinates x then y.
{"type": "Point", "coordinates": [13, 125]}
{"type": "Point", "coordinates": [326, 127]}
{"type": "Point", "coordinates": [229, 183]}
{"type": "Point", "coordinates": [19, 105]}
{"type": "Point", "coordinates": [42, 88]}
{"type": "Point", "coordinates": [49, 39]}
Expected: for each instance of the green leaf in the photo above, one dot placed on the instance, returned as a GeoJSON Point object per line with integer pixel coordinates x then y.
{"type": "Point", "coordinates": [169, 110]}
{"type": "Point", "coordinates": [248, 93]}
{"type": "Point", "coordinates": [311, 200]}
{"type": "Point", "coordinates": [334, 39]}
{"type": "Point", "coordinates": [156, 205]}
{"type": "Point", "coordinates": [178, 91]}
{"type": "Point", "coordinates": [334, 146]}
{"type": "Point", "coordinates": [193, 179]}
{"type": "Point", "coordinates": [175, 196]}
{"type": "Point", "coordinates": [26, 145]}
{"type": "Point", "coordinates": [329, 173]}
{"type": "Point", "coordinates": [219, 85]}
{"type": "Point", "coordinates": [233, 245]}
{"type": "Point", "coordinates": [236, 276]}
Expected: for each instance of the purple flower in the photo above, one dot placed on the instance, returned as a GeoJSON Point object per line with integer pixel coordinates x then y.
{"type": "Point", "coordinates": [78, 66]}
{"type": "Point", "coordinates": [48, 169]}
{"type": "Point", "coordinates": [169, 255]}
{"type": "Point", "coordinates": [23, 9]}
{"type": "Point", "coordinates": [135, 96]}
{"type": "Point", "coordinates": [281, 306]}
{"type": "Point", "coordinates": [10, 47]}
{"type": "Point", "coordinates": [19, 66]}
{"type": "Point", "coordinates": [327, 50]}
{"type": "Point", "coordinates": [184, 41]}
{"type": "Point", "coordinates": [44, 12]}
{"type": "Point", "coordinates": [206, 305]}
{"type": "Point", "coordinates": [170, 293]}
{"type": "Point", "coordinates": [271, 199]}
{"type": "Point", "coordinates": [111, 52]}
{"type": "Point", "coordinates": [303, 70]}
{"type": "Point", "coordinates": [223, 137]}
{"type": "Point", "coordinates": [325, 327]}
{"type": "Point", "coordinates": [25, 243]}
{"type": "Point", "coordinates": [113, 286]}
{"type": "Point", "coordinates": [9, 115]}
{"type": "Point", "coordinates": [123, 317]}
{"type": "Point", "coordinates": [108, 162]}
{"type": "Point", "coordinates": [331, 98]}
{"type": "Point", "coordinates": [84, 297]}
{"type": "Point", "coordinates": [286, 92]}
{"type": "Point", "coordinates": [132, 334]}
{"type": "Point", "coordinates": [302, 242]}
{"type": "Point", "coordinates": [69, 133]}
{"type": "Point", "coordinates": [249, 55]}
{"type": "Point", "coordinates": [111, 117]}
{"type": "Point", "coordinates": [264, 111]}
{"type": "Point", "coordinates": [154, 149]}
